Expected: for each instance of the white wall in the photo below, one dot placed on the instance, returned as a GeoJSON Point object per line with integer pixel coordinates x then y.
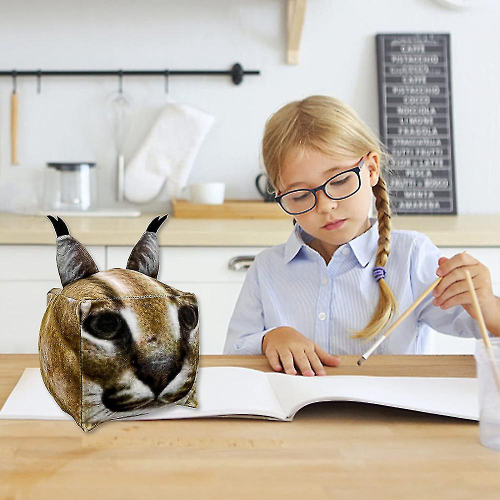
{"type": "Point", "coordinates": [67, 121]}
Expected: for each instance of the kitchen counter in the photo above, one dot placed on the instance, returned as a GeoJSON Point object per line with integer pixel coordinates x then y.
{"type": "Point", "coordinates": [444, 230]}
{"type": "Point", "coordinates": [352, 450]}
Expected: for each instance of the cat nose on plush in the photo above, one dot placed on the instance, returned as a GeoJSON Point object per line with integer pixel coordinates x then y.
{"type": "Point", "coordinates": [159, 372]}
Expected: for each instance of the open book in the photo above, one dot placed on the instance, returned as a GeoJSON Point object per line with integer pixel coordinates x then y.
{"type": "Point", "coordinates": [247, 393]}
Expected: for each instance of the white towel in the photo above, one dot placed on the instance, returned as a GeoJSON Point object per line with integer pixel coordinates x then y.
{"type": "Point", "coordinates": [168, 153]}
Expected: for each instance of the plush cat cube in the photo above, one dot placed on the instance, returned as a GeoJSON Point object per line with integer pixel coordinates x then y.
{"type": "Point", "coordinates": [117, 343]}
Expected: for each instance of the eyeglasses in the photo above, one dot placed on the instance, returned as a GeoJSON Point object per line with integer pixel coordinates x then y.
{"type": "Point", "coordinates": [338, 187]}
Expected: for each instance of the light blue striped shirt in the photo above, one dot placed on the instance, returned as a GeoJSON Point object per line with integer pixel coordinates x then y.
{"type": "Point", "coordinates": [291, 285]}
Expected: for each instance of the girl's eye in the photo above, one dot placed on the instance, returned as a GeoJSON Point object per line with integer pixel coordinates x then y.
{"type": "Point", "coordinates": [339, 183]}
{"type": "Point", "coordinates": [300, 197]}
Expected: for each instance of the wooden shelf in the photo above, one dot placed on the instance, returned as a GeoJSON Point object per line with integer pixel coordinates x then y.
{"type": "Point", "coordinates": [296, 13]}
{"type": "Point", "coordinates": [230, 209]}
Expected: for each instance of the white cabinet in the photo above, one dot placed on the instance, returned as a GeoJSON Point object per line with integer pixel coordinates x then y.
{"type": "Point", "coordinates": [27, 273]}
{"type": "Point", "coordinates": [205, 272]}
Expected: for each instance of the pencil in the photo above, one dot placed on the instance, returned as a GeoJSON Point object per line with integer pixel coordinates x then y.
{"type": "Point", "coordinates": [367, 354]}
{"type": "Point", "coordinates": [482, 327]}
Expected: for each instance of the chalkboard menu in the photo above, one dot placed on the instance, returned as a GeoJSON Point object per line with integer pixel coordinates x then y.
{"type": "Point", "coordinates": [416, 122]}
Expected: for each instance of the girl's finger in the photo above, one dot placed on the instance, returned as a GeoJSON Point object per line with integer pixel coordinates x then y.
{"type": "Point", "coordinates": [274, 360]}
{"type": "Point", "coordinates": [326, 358]}
{"type": "Point", "coordinates": [302, 361]}
{"type": "Point", "coordinates": [455, 276]}
{"type": "Point", "coordinates": [457, 300]}
{"type": "Point", "coordinates": [458, 260]}
{"type": "Point", "coordinates": [455, 289]}
{"type": "Point", "coordinates": [287, 360]}
{"type": "Point", "coordinates": [316, 364]}
{"type": "Point", "coordinates": [465, 298]}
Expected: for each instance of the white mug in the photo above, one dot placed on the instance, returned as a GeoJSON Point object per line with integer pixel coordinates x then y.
{"type": "Point", "coordinates": [211, 193]}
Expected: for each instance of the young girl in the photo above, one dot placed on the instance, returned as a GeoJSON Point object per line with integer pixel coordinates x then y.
{"type": "Point", "coordinates": [342, 276]}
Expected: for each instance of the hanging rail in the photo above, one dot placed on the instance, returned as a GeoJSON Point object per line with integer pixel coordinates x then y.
{"type": "Point", "coordinates": [236, 73]}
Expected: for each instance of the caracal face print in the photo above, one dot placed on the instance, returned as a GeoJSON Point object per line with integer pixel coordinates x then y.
{"type": "Point", "coordinates": [117, 343]}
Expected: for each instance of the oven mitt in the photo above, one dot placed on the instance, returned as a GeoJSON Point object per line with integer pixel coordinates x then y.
{"type": "Point", "coordinates": [168, 153]}
{"type": "Point", "coordinates": [117, 343]}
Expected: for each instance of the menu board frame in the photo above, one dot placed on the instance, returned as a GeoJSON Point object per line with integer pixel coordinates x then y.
{"type": "Point", "coordinates": [423, 194]}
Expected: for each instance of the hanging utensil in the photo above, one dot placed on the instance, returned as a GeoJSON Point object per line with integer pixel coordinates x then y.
{"type": "Point", "coordinates": [13, 121]}
{"type": "Point", "coordinates": [120, 115]}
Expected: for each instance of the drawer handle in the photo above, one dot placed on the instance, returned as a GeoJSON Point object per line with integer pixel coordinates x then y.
{"type": "Point", "coordinates": [241, 263]}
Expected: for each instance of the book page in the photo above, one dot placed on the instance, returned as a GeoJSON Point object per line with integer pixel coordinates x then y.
{"type": "Point", "coordinates": [226, 390]}
{"type": "Point", "coordinates": [454, 397]}
{"type": "Point", "coordinates": [220, 390]}
{"type": "Point", "coordinates": [233, 391]}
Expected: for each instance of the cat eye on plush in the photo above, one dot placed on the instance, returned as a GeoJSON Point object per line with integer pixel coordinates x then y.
{"type": "Point", "coordinates": [105, 326]}
{"type": "Point", "coordinates": [188, 317]}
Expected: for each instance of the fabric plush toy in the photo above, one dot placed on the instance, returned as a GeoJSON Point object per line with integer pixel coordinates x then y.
{"type": "Point", "coordinates": [117, 343]}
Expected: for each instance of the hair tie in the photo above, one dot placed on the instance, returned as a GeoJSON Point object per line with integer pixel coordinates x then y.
{"type": "Point", "coordinates": [379, 273]}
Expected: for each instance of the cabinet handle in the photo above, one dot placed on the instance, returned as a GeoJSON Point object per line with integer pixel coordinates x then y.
{"type": "Point", "coordinates": [241, 263]}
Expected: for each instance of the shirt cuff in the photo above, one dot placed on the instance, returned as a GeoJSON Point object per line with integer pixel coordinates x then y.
{"type": "Point", "coordinates": [475, 332]}
{"type": "Point", "coordinates": [253, 343]}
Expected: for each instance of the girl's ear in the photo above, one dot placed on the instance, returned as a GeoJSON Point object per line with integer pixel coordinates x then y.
{"type": "Point", "coordinates": [373, 157]}
{"type": "Point", "coordinates": [372, 163]}
{"type": "Point", "coordinates": [144, 257]}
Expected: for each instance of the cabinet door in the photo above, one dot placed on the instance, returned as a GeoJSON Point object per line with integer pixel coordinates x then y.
{"type": "Point", "coordinates": [447, 344]}
{"type": "Point", "coordinates": [206, 272]}
{"type": "Point", "coordinates": [27, 273]}
{"type": "Point", "coordinates": [191, 264]}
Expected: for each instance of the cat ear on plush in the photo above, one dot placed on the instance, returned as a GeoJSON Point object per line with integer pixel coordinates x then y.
{"type": "Point", "coordinates": [144, 257]}
{"type": "Point", "coordinates": [73, 260]}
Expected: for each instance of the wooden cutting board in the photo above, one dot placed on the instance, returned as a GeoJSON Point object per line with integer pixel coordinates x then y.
{"type": "Point", "coordinates": [230, 209]}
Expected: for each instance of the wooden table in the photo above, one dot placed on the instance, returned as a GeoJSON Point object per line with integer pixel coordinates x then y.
{"type": "Point", "coordinates": [329, 451]}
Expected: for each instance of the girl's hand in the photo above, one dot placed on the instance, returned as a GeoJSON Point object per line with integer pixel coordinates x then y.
{"type": "Point", "coordinates": [454, 290]}
{"type": "Point", "coordinates": [288, 345]}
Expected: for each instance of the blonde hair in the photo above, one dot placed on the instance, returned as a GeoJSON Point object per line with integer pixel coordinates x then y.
{"type": "Point", "coordinates": [331, 127]}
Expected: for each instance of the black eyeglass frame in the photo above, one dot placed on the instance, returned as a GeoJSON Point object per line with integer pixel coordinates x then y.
{"type": "Point", "coordinates": [355, 169]}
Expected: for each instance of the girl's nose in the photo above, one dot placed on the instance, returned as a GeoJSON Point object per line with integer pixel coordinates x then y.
{"type": "Point", "coordinates": [325, 204]}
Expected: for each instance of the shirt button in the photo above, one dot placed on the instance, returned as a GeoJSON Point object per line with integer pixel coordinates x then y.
{"type": "Point", "coordinates": [322, 316]}
{"type": "Point", "coordinates": [324, 280]}
{"type": "Point", "coordinates": [346, 250]}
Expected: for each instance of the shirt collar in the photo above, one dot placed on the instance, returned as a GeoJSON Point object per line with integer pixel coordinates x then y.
{"type": "Point", "coordinates": [363, 246]}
